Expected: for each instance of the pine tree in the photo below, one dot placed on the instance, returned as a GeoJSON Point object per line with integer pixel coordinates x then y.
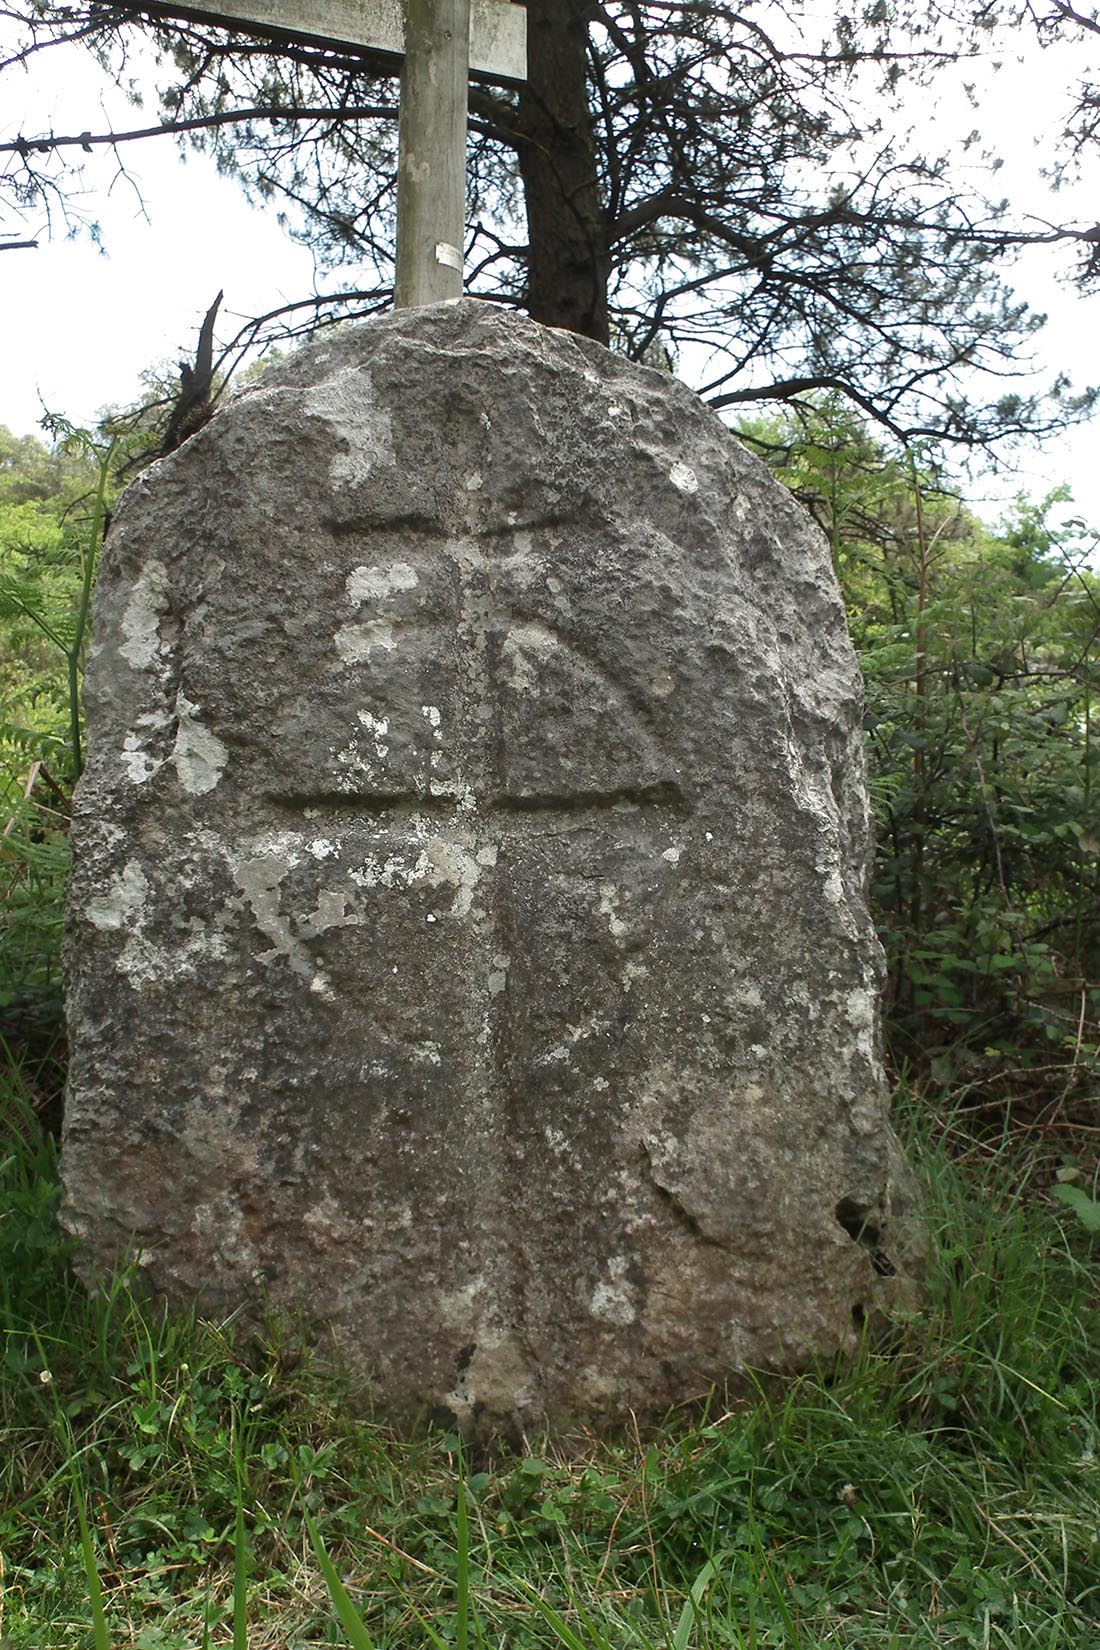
{"type": "Point", "coordinates": [712, 183]}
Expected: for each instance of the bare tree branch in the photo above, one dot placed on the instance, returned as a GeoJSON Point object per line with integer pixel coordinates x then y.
{"type": "Point", "coordinates": [86, 141]}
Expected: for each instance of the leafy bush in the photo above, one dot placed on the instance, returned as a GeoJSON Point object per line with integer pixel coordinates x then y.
{"type": "Point", "coordinates": [52, 515]}
{"type": "Point", "coordinates": [980, 655]}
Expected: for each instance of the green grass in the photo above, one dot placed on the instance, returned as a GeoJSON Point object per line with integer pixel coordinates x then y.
{"type": "Point", "coordinates": [165, 1486]}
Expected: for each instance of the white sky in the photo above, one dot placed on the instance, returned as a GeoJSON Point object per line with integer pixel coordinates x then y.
{"type": "Point", "coordinates": [79, 325]}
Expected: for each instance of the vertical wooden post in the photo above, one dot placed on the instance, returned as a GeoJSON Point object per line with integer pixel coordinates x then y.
{"type": "Point", "coordinates": [431, 183]}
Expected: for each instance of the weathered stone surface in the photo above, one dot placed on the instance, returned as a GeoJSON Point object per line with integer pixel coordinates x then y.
{"type": "Point", "coordinates": [468, 941]}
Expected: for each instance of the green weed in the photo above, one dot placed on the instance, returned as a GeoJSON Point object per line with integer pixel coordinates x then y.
{"type": "Point", "coordinates": [941, 1489]}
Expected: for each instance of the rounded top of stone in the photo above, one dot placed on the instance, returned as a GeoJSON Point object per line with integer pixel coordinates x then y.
{"type": "Point", "coordinates": [474, 325]}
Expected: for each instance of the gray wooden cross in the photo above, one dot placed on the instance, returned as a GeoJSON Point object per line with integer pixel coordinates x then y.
{"type": "Point", "coordinates": [440, 44]}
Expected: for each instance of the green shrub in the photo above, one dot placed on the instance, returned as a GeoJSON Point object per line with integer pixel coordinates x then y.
{"type": "Point", "coordinates": [981, 659]}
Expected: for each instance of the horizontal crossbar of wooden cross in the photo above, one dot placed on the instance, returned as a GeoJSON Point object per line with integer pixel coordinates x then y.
{"type": "Point", "coordinates": [498, 28]}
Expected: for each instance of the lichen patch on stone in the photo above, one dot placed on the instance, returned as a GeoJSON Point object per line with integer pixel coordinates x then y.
{"type": "Point", "coordinates": [140, 644]}
{"type": "Point", "coordinates": [612, 1299]}
{"type": "Point", "coordinates": [139, 762]}
{"type": "Point", "coordinates": [345, 402]}
{"type": "Point", "coordinates": [374, 584]}
{"type": "Point", "coordinates": [611, 899]}
{"type": "Point", "coordinates": [120, 906]}
{"type": "Point", "coordinates": [453, 864]}
{"type": "Point", "coordinates": [198, 755]}
{"type": "Point", "coordinates": [356, 642]}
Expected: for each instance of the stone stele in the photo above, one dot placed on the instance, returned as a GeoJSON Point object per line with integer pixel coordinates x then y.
{"type": "Point", "coordinates": [468, 949]}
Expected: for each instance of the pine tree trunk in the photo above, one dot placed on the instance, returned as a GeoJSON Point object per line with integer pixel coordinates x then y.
{"type": "Point", "coordinates": [567, 234]}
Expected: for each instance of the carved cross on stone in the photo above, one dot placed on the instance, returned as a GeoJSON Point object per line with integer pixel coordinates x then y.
{"type": "Point", "coordinates": [439, 43]}
{"type": "Point", "coordinates": [460, 811]}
